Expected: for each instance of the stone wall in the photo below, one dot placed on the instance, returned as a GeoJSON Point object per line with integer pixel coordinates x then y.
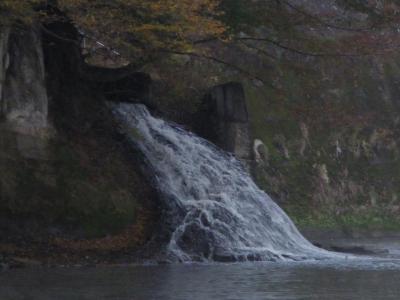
{"type": "Point", "coordinates": [223, 119]}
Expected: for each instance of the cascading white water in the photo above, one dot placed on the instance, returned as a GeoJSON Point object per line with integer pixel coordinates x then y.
{"type": "Point", "coordinates": [216, 211]}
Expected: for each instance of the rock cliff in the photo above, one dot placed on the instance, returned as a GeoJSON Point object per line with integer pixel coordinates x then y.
{"type": "Point", "coordinates": [65, 171]}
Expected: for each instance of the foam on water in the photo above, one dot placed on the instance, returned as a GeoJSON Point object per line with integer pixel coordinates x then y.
{"type": "Point", "coordinates": [214, 209]}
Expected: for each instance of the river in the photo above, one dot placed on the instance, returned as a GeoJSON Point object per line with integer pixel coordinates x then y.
{"type": "Point", "coordinates": [333, 279]}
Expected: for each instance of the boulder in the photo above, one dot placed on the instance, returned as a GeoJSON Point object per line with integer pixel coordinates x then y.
{"type": "Point", "coordinates": [260, 152]}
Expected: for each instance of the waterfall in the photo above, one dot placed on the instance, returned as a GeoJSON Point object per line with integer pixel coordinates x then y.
{"type": "Point", "coordinates": [215, 210]}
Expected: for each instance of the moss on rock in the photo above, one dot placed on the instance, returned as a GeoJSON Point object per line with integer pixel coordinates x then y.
{"type": "Point", "coordinates": [85, 183]}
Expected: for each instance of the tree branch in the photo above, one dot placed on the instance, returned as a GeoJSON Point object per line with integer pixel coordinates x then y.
{"type": "Point", "coordinates": [303, 52]}
{"type": "Point", "coordinates": [262, 51]}
{"type": "Point", "coordinates": [222, 62]}
{"type": "Point", "coordinates": [322, 22]}
{"type": "Point", "coordinates": [59, 37]}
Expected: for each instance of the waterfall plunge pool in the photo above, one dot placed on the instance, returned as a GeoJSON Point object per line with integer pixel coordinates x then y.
{"type": "Point", "coordinates": [332, 279]}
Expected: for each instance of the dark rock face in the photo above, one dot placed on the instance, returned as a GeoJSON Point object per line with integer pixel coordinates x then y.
{"type": "Point", "coordinates": [134, 87]}
{"type": "Point", "coordinates": [72, 100]}
{"type": "Point", "coordinates": [23, 95]}
{"type": "Point", "coordinates": [65, 171]}
{"type": "Point", "coordinates": [76, 88]}
{"type": "Point", "coordinates": [228, 102]}
{"type": "Point", "coordinates": [224, 120]}
{"type": "Point", "coordinates": [4, 61]}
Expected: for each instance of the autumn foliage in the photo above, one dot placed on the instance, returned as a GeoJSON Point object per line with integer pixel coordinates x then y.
{"type": "Point", "coordinates": [11, 10]}
{"type": "Point", "coordinates": [134, 27]}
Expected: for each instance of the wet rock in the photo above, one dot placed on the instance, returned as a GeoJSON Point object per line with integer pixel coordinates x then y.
{"type": "Point", "coordinates": [21, 262]}
{"type": "Point", "coordinates": [223, 256]}
{"type": "Point", "coordinates": [360, 250]}
{"type": "Point", "coordinates": [4, 266]}
{"type": "Point", "coordinates": [254, 257]}
{"type": "Point", "coordinates": [195, 241]}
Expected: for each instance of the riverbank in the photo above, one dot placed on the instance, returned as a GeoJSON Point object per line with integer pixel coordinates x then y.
{"type": "Point", "coordinates": [374, 242]}
{"type": "Point", "coordinates": [120, 250]}
{"type": "Point", "coordinates": [124, 248]}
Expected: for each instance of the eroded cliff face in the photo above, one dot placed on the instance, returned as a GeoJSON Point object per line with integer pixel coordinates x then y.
{"type": "Point", "coordinates": [332, 141]}
{"type": "Point", "coordinates": [4, 58]}
{"type": "Point", "coordinates": [65, 171]}
{"type": "Point", "coordinates": [24, 98]}
{"type": "Point", "coordinates": [23, 95]}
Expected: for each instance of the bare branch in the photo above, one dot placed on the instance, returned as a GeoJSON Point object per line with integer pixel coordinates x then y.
{"type": "Point", "coordinates": [222, 62]}
{"type": "Point", "coordinates": [262, 51]}
{"type": "Point", "coordinates": [303, 52]}
{"type": "Point", "coordinates": [322, 22]}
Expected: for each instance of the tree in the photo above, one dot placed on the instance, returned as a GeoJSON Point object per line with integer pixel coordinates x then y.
{"type": "Point", "coordinates": [141, 30]}
{"type": "Point", "coordinates": [137, 28]}
{"type": "Point", "coordinates": [12, 11]}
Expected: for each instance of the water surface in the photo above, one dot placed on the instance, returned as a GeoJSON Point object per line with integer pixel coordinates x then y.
{"type": "Point", "coordinates": [300, 280]}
